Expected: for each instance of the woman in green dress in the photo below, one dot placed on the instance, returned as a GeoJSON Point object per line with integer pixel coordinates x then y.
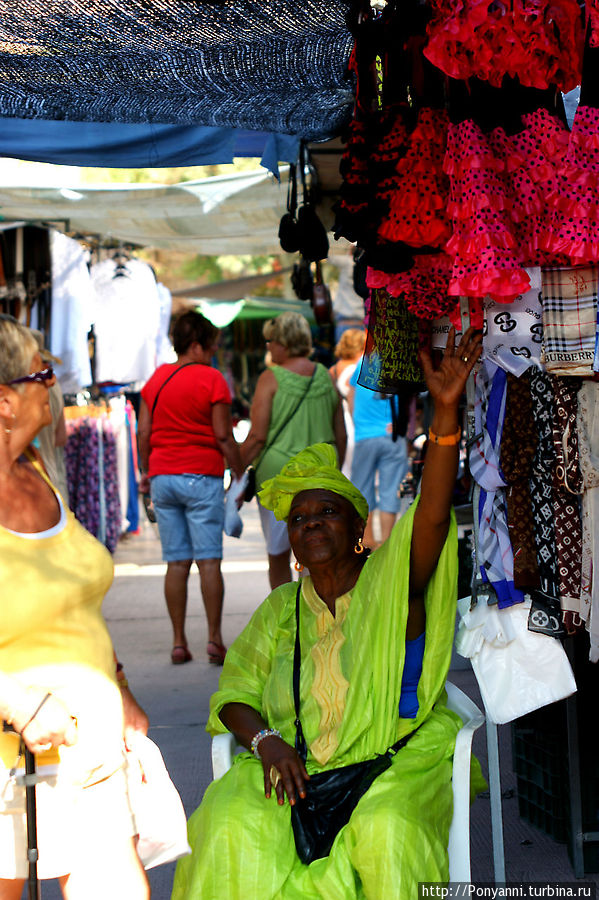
{"type": "Point", "coordinates": [376, 633]}
{"type": "Point", "coordinates": [295, 404]}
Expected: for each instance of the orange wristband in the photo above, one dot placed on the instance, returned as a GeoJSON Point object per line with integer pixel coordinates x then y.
{"type": "Point", "coordinates": [446, 440]}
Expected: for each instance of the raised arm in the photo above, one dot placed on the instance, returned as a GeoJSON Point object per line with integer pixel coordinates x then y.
{"type": "Point", "coordinates": [260, 413]}
{"type": "Point", "coordinates": [431, 520]}
{"type": "Point", "coordinates": [144, 430]}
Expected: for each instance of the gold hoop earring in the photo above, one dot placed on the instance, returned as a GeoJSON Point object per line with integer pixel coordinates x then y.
{"type": "Point", "coordinates": [359, 548]}
{"type": "Point", "coordinates": [298, 567]}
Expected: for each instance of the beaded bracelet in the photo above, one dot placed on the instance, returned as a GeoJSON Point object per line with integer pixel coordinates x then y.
{"type": "Point", "coordinates": [446, 440]}
{"type": "Point", "coordinates": [266, 732]}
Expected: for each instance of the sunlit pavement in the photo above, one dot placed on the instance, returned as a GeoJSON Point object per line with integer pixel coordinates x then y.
{"type": "Point", "coordinates": [176, 698]}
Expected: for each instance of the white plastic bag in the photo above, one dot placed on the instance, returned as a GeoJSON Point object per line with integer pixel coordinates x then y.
{"type": "Point", "coordinates": [233, 521]}
{"type": "Point", "coordinates": [159, 815]}
{"type": "Point", "coordinates": [517, 670]}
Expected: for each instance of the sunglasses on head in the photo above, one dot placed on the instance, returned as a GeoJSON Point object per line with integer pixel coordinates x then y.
{"type": "Point", "coordinates": [41, 377]}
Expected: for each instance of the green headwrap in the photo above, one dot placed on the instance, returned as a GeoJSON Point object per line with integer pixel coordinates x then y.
{"type": "Point", "coordinates": [312, 468]}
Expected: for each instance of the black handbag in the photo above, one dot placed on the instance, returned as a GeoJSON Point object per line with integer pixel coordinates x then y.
{"type": "Point", "coordinates": [331, 796]}
{"type": "Point", "coordinates": [250, 488]}
{"type": "Point", "coordinates": [288, 230]}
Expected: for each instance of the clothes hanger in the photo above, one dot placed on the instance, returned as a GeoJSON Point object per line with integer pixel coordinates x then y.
{"type": "Point", "coordinates": [121, 257]}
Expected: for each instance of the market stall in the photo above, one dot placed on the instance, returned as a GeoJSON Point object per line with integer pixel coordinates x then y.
{"type": "Point", "coordinates": [474, 199]}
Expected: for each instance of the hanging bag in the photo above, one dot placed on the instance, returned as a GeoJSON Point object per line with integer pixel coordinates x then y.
{"type": "Point", "coordinates": [160, 819]}
{"type": "Point", "coordinates": [517, 670]}
{"type": "Point", "coordinates": [313, 242]}
{"type": "Point", "coordinates": [288, 229]}
{"type": "Point", "coordinates": [321, 299]}
{"type": "Point", "coordinates": [331, 796]}
{"type": "Point", "coordinates": [301, 280]}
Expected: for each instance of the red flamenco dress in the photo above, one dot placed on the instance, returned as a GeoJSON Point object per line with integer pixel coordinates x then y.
{"type": "Point", "coordinates": [503, 150]}
{"type": "Point", "coordinates": [574, 204]}
{"type": "Point", "coordinates": [537, 42]}
{"type": "Point", "coordinates": [507, 136]}
{"type": "Point", "coordinates": [394, 193]}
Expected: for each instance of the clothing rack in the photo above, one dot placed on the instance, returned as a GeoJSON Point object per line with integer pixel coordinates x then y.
{"type": "Point", "coordinates": [102, 467]}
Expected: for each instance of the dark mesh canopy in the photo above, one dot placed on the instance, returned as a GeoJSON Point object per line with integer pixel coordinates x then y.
{"type": "Point", "coordinates": [271, 65]}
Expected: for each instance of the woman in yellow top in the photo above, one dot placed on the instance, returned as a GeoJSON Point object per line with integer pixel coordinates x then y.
{"type": "Point", "coordinates": [58, 683]}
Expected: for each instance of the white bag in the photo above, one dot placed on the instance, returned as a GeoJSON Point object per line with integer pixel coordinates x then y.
{"type": "Point", "coordinates": [159, 815]}
{"type": "Point", "coordinates": [517, 670]}
{"type": "Point", "coordinates": [233, 522]}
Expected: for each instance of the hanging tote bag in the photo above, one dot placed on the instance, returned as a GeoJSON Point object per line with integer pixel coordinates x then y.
{"type": "Point", "coordinates": [517, 670]}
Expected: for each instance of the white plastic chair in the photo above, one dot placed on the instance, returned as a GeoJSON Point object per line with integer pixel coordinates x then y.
{"type": "Point", "coordinates": [223, 747]}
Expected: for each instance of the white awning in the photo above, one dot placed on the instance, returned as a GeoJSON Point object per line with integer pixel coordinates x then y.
{"type": "Point", "coordinates": [231, 214]}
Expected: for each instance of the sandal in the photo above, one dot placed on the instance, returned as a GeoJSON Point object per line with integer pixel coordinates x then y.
{"type": "Point", "coordinates": [216, 653]}
{"type": "Point", "coordinates": [180, 655]}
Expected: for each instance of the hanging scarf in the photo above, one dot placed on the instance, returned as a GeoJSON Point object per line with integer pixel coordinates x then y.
{"type": "Point", "coordinates": [518, 445]}
{"type": "Point", "coordinates": [588, 443]}
{"type": "Point", "coordinates": [568, 483]}
{"type": "Point", "coordinates": [495, 549]}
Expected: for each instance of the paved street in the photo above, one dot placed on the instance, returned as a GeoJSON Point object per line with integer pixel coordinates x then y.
{"type": "Point", "coordinates": [176, 697]}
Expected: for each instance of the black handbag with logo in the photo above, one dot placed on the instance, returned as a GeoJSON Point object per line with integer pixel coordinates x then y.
{"type": "Point", "coordinates": [331, 796]}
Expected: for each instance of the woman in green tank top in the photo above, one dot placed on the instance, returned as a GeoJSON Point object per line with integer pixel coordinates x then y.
{"type": "Point", "coordinates": [295, 405]}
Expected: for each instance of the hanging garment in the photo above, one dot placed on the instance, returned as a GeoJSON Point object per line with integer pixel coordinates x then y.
{"type": "Point", "coordinates": [572, 226]}
{"type": "Point", "coordinates": [538, 43]}
{"type": "Point", "coordinates": [541, 480]}
{"type": "Point", "coordinates": [514, 333]}
{"type": "Point", "coordinates": [92, 473]}
{"type": "Point", "coordinates": [132, 511]}
{"type": "Point", "coordinates": [494, 547]}
{"type": "Point", "coordinates": [164, 349]}
{"type": "Point", "coordinates": [588, 442]}
{"type": "Point", "coordinates": [118, 422]}
{"type": "Point", "coordinates": [568, 484]}
{"type": "Point", "coordinates": [424, 286]}
{"type": "Point", "coordinates": [394, 191]}
{"type": "Point", "coordinates": [569, 302]}
{"type": "Point", "coordinates": [126, 321]}
{"type": "Point", "coordinates": [72, 304]}
{"type": "Point", "coordinates": [504, 147]}
{"type": "Point", "coordinates": [519, 440]}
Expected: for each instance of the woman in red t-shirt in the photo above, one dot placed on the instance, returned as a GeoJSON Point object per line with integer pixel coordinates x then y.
{"type": "Point", "coordinates": [185, 436]}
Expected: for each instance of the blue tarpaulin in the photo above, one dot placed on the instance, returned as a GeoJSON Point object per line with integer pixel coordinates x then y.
{"type": "Point", "coordinates": [125, 145]}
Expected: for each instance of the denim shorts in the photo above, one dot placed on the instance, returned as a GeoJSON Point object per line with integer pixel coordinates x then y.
{"type": "Point", "coordinates": [390, 460]}
{"type": "Point", "coordinates": [190, 511]}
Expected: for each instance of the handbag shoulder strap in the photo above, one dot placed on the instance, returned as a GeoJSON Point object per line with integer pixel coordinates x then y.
{"type": "Point", "coordinates": [300, 741]}
{"type": "Point", "coordinates": [166, 381]}
{"type": "Point", "coordinates": [287, 420]}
